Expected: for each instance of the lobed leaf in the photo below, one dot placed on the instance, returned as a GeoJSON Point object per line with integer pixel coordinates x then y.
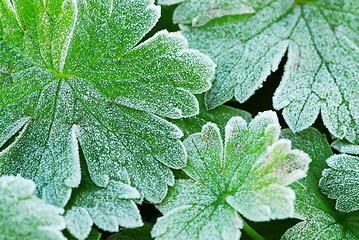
{"type": "Point", "coordinates": [24, 216]}
{"type": "Point", "coordinates": [73, 75]}
{"type": "Point", "coordinates": [246, 175]}
{"type": "Point", "coordinates": [320, 220]}
{"type": "Point", "coordinates": [319, 37]}
{"type": "Point", "coordinates": [107, 208]}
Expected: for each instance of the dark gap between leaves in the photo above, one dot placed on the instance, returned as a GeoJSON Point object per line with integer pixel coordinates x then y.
{"type": "Point", "coordinates": [262, 98]}
{"type": "Point", "coordinates": [149, 212]}
{"type": "Point", "coordinates": [12, 139]}
{"type": "Point", "coordinates": [164, 23]}
{"type": "Point", "coordinates": [319, 125]}
{"type": "Point", "coordinates": [272, 230]}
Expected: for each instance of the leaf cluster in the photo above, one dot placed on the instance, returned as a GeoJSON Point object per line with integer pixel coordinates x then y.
{"type": "Point", "coordinates": [101, 113]}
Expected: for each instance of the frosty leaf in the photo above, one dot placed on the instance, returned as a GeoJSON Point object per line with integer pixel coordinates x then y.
{"type": "Point", "coordinates": [199, 12]}
{"type": "Point", "coordinates": [320, 219]}
{"type": "Point", "coordinates": [107, 208]}
{"type": "Point", "coordinates": [72, 74]}
{"type": "Point", "coordinates": [24, 216]}
{"type": "Point", "coordinates": [325, 227]}
{"type": "Point", "coordinates": [344, 146]}
{"type": "Point", "coordinates": [94, 235]}
{"type": "Point", "coordinates": [249, 174]}
{"type": "Point", "coordinates": [321, 41]}
{"type": "Point", "coordinates": [219, 116]}
{"type": "Point", "coordinates": [340, 182]}
{"type": "Point", "coordinates": [169, 2]}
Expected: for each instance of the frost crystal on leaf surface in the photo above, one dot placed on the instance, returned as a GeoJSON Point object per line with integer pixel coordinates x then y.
{"type": "Point", "coordinates": [248, 174]}
{"type": "Point", "coordinates": [320, 219]}
{"type": "Point", "coordinates": [344, 146]}
{"type": "Point", "coordinates": [107, 208]}
{"type": "Point", "coordinates": [24, 216]}
{"type": "Point", "coordinates": [340, 182]}
{"type": "Point", "coordinates": [321, 41]}
{"type": "Point", "coordinates": [72, 74]}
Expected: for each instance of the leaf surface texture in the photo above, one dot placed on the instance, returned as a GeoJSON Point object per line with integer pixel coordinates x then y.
{"type": "Point", "coordinates": [24, 216]}
{"type": "Point", "coordinates": [320, 38]}
{"type": "Point", "coordinates": [320, 219]}
{"type": "Point", "coordinates": [73, 74]}
{"type": "Point", "coordinates": [246, 175]}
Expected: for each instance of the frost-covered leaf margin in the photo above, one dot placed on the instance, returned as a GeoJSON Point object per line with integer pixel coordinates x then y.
{"type": "Point", "coordinates": [247, 175]}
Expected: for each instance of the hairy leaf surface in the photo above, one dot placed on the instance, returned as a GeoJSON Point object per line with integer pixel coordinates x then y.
{"type": "Point", "coordinates": [248, 175]}
{"type": "Point", "coordinates": [73, 74]}
{"type": "Point", "coordinates": [107, 208]}
{"type": "Point", "coordinates": [320, 38]}
{"type": "Point", "coordinates": [320, 218]}
{"type": "Point", "coordinates": [24, 216]}
{"type": "Point", "coordinates": [344, 146]}
{"type": "Point", "coordinates": [340, 182]}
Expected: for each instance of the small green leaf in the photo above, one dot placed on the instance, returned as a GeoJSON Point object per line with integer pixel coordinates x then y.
{"type": "Point", "coordinates": [24, 216]}
{"type": "Point", "coordinates": [320, 38]}
{"type": "Point", "coordinates": [340, 182]}
{"type": "Point", "coordinates": [73, 74]}
{"type": "Point", "coordinates": [94, 235]}
{"type": "Point", "coordinates": [219, 116]}
{"type": "Point", "coordinates": [107, 208]}
{"type": "Point", "coordinates": [344, 146]}
{"type": "Point", "coordinates": [320, 219]}
{"type": "Point", "coordinates": [248, 174]}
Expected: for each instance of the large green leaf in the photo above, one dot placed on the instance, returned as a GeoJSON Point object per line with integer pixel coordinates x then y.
{"type": "Point", "coordinates": [248, 174]}
{"type": "Point", "coordinates": [73, 74]}
{"type": "Point", "coordinates": [321, 41]}
{"type": "Point", "coordinates": [320, 219]}
{"type": "Point", "coordinates": [24, 216]}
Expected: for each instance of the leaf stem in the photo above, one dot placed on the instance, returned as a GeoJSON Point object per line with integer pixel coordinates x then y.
{"type": "Point", "coordinates": [251, 232]}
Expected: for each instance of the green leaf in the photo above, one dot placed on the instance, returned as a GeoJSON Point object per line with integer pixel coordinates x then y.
{"type": "Point", "coordinates": [24, 216]}
{"type": "Point", "coordinates": [107, 208]}
{"type": "Point", "coordinates": [320, 38]}
{"type": "Point", "coordinates": [73, 73]}
{"type": "Point", "coordinates": [249, 175]}
{"type": "Point", "coordinates": [169, 2]}
{"type": "Point", "coordinates": [340, 182]}
{"type": "Point", "coordinates": [220, 116]}
{"type": "Point", "coordinates": [200, 12]}
{"type": "Point", "coordinates": [94, 235]}
{"type": "Point", "coordinates": [344, 146]}
{"type": "Point", "coordinates": [143, 233]}
{"type": "Point", "coordinates": [320, 219]}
